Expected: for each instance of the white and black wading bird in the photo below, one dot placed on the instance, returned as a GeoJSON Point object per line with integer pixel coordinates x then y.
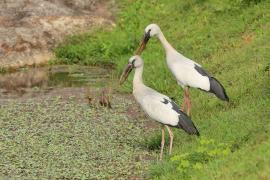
{"type": "Point", "coordinates": [158, 106]}
{"type": "Point", "coordinates": [187, 72]}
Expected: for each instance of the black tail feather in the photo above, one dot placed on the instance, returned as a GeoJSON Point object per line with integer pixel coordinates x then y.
{"type": "Point", "coordinates": [187, 125]}
{"type": "Point", "coordinates": [217, 88]}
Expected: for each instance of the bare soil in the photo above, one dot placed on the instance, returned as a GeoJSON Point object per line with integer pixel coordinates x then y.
{"type": "Point", "coordinates": [29, 29]}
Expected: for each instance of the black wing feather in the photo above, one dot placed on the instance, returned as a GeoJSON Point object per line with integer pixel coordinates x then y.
{"type": "Point", "coordinates": [215, 86]}
{"type": "Point", "coordinates": [184, 122]}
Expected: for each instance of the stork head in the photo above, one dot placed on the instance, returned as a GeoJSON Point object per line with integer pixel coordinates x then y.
{"type": "Point", "coordinates": [133, 62]}
{"type": "Point", "coordinates": [150, 31]}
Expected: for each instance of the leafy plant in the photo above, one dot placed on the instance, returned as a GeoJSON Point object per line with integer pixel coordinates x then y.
{"type": "Point", "coordinates": [207, 150]}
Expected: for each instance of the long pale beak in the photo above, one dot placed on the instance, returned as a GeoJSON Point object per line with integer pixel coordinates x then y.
{"type": "Point", "coordinates": [143, 43]}
{"type": "Point", "coordinates": [125, 73]}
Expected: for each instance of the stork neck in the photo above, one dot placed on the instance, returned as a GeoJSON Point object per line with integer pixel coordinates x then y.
{"type": "Point", "coordinates": [137, 80]}
{"type": "Point", "coordinates": [167, 46]}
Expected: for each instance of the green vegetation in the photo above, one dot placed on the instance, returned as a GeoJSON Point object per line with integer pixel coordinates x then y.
{"type": "Point", "coordinates": [62, 138]}
{"type": "Point", "coordinates": [231, 39]}
{"type": "Point", "coordinates": [207, 151]}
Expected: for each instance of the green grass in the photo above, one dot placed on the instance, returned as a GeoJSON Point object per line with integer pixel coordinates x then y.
{"type": "Point", "coordinates": [231, 39]}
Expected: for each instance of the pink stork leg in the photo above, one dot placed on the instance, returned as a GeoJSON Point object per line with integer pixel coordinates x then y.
{"type": "Point", "coordinates": [162, 142]}
{"type": "Point", "coordinates": [171, 139]}
{"type": "Point", "coordinates": [184, 102]}
{"type": "Point", "coordinates": [188, 100]}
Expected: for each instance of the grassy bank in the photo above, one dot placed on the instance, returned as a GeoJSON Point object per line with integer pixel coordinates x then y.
{"type": "Point", "coordinates": [231, 39]}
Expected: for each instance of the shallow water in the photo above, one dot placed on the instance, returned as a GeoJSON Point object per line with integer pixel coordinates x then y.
{"type": "Point", "coordinates": [43, 79]}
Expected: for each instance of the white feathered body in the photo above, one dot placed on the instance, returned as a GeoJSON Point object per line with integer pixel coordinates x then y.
{"type": "Point", "coordinates": [184, 71]}
{"type": "Point", "coordinates": [153, 104]}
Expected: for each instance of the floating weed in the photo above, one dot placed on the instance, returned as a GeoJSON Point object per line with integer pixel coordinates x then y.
{"type": "Point", "coordinates": [61, 138]}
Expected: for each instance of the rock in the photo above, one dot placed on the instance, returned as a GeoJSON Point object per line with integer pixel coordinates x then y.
{"type": "Point", "coordinates": [29, 29]}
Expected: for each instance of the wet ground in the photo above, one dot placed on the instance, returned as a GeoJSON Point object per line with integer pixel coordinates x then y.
{"type": "Point", "coordinates": [52, 126]}
{"type": "Point", "coordinates": [30, 82]}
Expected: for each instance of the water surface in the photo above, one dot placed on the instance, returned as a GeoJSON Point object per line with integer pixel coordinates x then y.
{"type": "Point", "coordinates": [43, 79]}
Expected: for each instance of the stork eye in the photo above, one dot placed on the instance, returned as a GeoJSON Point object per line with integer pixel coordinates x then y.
{"type": "Point", "coordinates": [133, 61]}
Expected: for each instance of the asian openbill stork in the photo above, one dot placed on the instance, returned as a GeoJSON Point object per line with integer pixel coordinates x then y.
{"type": "Point", "coordinates": [158, 106]}
{"type": "Point", "coordinates": [187, 72]}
